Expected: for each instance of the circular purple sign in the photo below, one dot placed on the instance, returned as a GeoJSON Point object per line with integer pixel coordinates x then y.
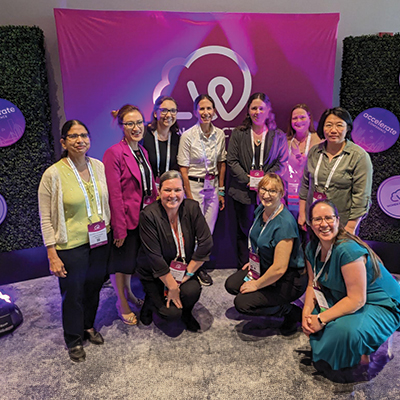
{"type": "Point", "coordinates": [12, 123]}
{"type": "Point", "coordinates": [389, 196]}
{"type": "Point", "coordinates": [3, 209]}
{"type": "Point", "coordinates": [375, 130]}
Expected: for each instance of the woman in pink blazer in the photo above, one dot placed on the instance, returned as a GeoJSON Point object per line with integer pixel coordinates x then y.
{"type": "Point", "coordinates": [131, 187]}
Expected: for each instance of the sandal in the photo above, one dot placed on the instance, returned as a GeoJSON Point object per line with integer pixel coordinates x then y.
{"type": "Point", "coordinates": [128, 319]}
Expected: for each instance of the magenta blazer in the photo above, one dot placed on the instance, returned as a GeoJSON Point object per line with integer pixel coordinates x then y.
{"type": "Point", "coordinates": [124, 183]}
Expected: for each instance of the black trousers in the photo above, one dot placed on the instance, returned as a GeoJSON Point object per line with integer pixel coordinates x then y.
{"type": "Point", "coordinates": [80, 289]}
{"type": "Point", "coordinates": [155, 299]}
{"type": "Point", "coordinates": [271, 300]}
{"type": "Point", "coordinates": [244, 220]}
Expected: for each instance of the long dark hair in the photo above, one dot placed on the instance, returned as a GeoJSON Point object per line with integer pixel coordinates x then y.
{"type": "Point", "coordinates": [339, 112]}
{"type": "Point", "coordinates": [343, 235]}
{"type": "Point", "coordinates": [157, 104]}
{"type": "Point", "coordinates": [290, 132]}
{"type": "Point", "coordinates": [270, 121]}
{"type": "Point", "coordinates": [65, 129]}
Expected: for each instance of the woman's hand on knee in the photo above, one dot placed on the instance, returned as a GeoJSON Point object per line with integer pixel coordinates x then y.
{"type": "Point", "coordinates": [248, 287]}
{"type": "Point", "coordinates": [173, 295]}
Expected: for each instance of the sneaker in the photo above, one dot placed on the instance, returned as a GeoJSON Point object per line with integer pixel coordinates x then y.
{"type": "Point", "coordinates": [204, 278]}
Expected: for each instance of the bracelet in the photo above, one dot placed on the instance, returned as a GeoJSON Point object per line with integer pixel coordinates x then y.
{"type": "Point", "coordinates": [319, 320]}
{"type": "Point", "coordinates": [221, 193]}
{"type": "Point", "coordinates": [222, 188]}
{"type": "Point", "coordinates": [189, 274]}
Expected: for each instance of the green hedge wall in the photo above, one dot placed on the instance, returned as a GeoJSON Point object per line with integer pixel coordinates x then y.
{"type": "Point", "coordinates": [370, 78]}
{"type": "Point", "coordinates": [23, 82]}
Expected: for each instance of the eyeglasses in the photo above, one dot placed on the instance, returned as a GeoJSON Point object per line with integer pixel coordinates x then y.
{"type": "Point", "coordinates": [75, 136]}
{"type": "Point", "coordinates": [329, 219]}
{"type": "Point", "coordinates": [339, 126]}
{"type": "Point", "coordinates": [131, 124]}
{"type": "Point", "coordinates": [271, 192]}
{"type": "Point", "coordinates": [165, 111]}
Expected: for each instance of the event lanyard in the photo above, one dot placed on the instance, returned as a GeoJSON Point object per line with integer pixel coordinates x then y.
{"type": "Point", "coordinates": [167, 161]}
{"type": "Point", "coordinates": [307, 144]}
{"type": "Point", "coordinates": [253, 163]}
{"type": "Point", "coordinates": [204, 150]}
{"type": "Point", "coordinates": [265, 225]}
{"type": "Point", "coordinates": [81, 185]}
{"type": "Point", "coordinates": [328, 181]}
{"type": "Point", "coordinates": [179, 242]}
{"type": "Point", "coordinates": [142, 171]}
{"type": "Point", "coordinates": [328, 256]}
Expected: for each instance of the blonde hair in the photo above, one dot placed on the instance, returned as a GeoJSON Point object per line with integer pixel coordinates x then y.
{"type": "Point", "coordinates": [271, 177]}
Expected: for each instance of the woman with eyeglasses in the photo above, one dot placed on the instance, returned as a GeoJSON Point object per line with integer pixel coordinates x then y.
{"type": "Point", "coordinates": [352, 303]}
{"type": "Point", "coordinates": [338, 170]}
{"type": "Point", "coordinates": [132, 187]}
{"type": "Point", "coordinates": [255, 147]}
{"type": "Point", "coordinates": [75, 222]}
{"type": "Point", "coordinates": [201, 158]}
{"type": "Point", "coordinates": [162, 140]}
{"type": "Point", "coordinates": [275, 274]}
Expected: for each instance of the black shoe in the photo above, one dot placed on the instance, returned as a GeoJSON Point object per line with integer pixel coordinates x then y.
{"type": "Point", "coordinates": [77, 354]}
{"type": "Point", "coordinates": [146, 316]}
{"type": "Point", "coordinates": [191, 324]}
{"type": "Point", "coordinates": [204, 278]}
{"type": "Point", "coordinates": [93, 336]}
{"type": "Point", "coordinates": [289, 326]}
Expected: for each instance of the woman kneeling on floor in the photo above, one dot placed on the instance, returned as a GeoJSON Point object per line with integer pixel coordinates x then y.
{"type": "Point", "coordinates": [352, 302]}
{"type": "Point", "coordinates": [176, 241]}
{"type": "Point", "coordinates": [275, 275]}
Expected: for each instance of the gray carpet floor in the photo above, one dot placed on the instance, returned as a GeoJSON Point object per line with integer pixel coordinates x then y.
{"type": "Point", "coordinates": [234, 357]}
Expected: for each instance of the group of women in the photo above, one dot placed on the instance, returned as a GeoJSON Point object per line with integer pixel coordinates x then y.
{"type": "Point", "coordinates": [162, 222]}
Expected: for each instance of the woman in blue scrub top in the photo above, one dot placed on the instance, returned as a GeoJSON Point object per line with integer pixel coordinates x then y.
{"type": "Point", "coordinates": [274, 241]}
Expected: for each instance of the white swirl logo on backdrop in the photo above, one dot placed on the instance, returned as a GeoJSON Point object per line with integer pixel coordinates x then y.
{"type": "Point", "coordinates": [388, 196]}
{"type": "Point", "coordinates": [213, 84]}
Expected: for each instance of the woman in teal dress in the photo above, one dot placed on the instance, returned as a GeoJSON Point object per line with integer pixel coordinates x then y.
{"type": "Point", "coordinates": [352, 303]}
{"type": "Point", "coordinates": [281, 278]}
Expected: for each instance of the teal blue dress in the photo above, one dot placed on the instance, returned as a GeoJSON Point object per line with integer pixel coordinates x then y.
{"type": "Point", "coordinates": [343, 341]}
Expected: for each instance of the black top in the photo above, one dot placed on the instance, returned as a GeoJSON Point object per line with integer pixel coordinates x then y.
{"type": "Point", "coordinates": [141, 160]}
{"type": "Point", "coordinates": [158, 246]}
{"type": "Point", "coordinates": [240, 156]}
{"type": "Point", "coordinates": [149, 145]}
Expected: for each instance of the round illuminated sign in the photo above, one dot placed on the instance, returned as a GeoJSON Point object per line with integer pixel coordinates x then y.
{"type": "Point", "coordinates": [375, 130]}
{"type": "Point", "coordinates": [389, 196]}
{"type": "Point", "coordinates": [12, 123]}
{"type": "Point", "coordinates": [3, 209]}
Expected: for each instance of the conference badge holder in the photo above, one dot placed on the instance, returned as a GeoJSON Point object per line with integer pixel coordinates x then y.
{"type": "Point", "coordinates": [321, 300]}
{"type": "Point", "coordinates": [255, 271]}
{"type": "Point", "coordinates": [97, 234]}
{"type": "Point", "coordinates": [178, 269]}
{"type": "Point", "coordinates": [147, 200]}
{"type": "Point", "coordinates": [209, 188]}
{"type": "Point", "coordinates": [255, 177]}
{"type": "Point", "coordinates": [318, 196]}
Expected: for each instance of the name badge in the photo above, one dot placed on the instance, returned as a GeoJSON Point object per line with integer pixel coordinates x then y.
{"type": "Point", "coordinates": [97, 234]}
{"type": "Point", "coordinates": [255, 270]}
{"type": "Point", "coordinates": [321, 300]}
{"type": "Point", "coordinates": [255, 177]}
{"type": "Point", "coordinates": [147, 200]}
{"type": "Point", "coordinates": [177, 270]}
{"type": "Point", "coordinates": [318, 196]}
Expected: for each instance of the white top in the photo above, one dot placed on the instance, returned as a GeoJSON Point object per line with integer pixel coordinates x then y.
{"type": "Point", "coordinates": [196, 150]}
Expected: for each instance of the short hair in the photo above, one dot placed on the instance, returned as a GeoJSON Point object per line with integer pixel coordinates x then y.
{"type": "Point", "coordinates": [339, 112]}
{"type": "Point", "coordinates": [66, 128]}
{"type": "Point", "coordinates": [157, 104]}
{"type": "Point", "coordinates": [168, 175]}
{"type": "Point", "coordinates": [290, 132]}
{"type": "Point", "coordinates": [271, 177]}
{"type": "Point", "coordinates": [201, 97]}
{"type": "Point", "coordinates": [120, 114]}
{"type": "Point", "coordinates": [270, 121]}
